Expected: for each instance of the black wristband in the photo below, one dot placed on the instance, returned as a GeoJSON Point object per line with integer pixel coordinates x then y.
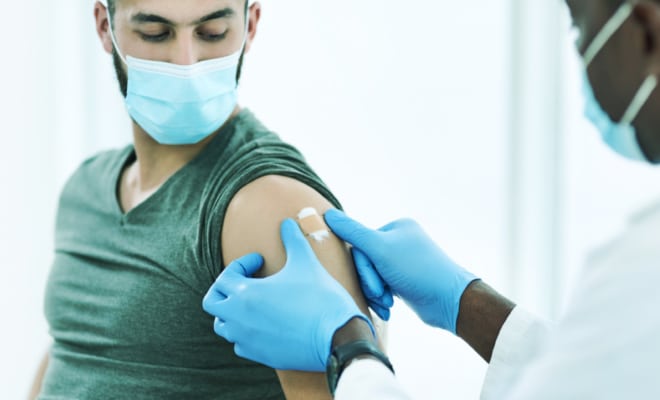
{"type": "Point", "coordinates": [342, 355]}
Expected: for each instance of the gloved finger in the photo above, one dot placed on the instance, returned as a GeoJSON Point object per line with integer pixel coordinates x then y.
{"type": "Point", "coordinates": [382, 312]}
{"type": "Point", "coordinates": [380, 302]}
{"type": "Point", "coordinates": [298, 249]}
{"type": "Point", "coordinates": [211, 299]}
{"type": "Point", "coordinates": [370, 281]}
{"type": "Point", "coordinates": [221, 329]}
{"type": "Point", "coordinates": [376, 304]}
{"type": "Point", "coordinates": [352, 232]}
{"type": "Point", "coordinates": [388, 298]}
{"type": "Point", "coordinates": [385, 301]}
{"type": "Point", "coordinates": [237, 275]}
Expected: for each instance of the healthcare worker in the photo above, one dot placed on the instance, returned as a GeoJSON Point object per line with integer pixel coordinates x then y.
{"type": "Point", "coordinates": [605, 346]}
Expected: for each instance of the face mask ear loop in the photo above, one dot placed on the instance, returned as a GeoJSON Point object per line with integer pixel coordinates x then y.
{"type": "Point", "coordinates": [245, 34]}
{"type": "Point", "coordinates": [247, 27]}
{"type": "Point", "coordinates": [112, 35]}
{"type": "Point", "coordinates": [606, 32]}
{"type": "Point", "coordinates": [641, 97]}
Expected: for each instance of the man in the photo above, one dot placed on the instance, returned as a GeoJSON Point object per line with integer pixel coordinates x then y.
{"type": "Point", "coordinates": [606, 344]}
{"type": "Point", "coordinates": [142, 232]}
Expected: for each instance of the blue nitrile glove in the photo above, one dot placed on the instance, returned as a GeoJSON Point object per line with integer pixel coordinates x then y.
{"type": "Point", "coordinates": [402, 258]}
{"type": "Point", "coordinates": [285, 321]}
{"type": "Point", "coordinates": [378, 294]}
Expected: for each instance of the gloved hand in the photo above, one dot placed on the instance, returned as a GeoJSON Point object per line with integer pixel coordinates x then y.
{"type": "Point", "coordinates": [285, 321]}
{"type": "Point", "coordinates": [402, 258]}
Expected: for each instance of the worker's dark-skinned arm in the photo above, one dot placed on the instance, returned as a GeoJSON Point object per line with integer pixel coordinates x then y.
{"type": "Point", "coordinates": [481, 315]}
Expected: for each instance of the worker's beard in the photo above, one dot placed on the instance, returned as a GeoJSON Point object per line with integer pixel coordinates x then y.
{"type": "Point", "coordinates": [122, 77]}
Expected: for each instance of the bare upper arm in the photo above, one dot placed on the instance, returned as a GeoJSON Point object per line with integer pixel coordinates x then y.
{"type": "Point", "coordinates": [252, 224]}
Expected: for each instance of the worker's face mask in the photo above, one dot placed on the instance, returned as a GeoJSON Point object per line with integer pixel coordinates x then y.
{"type": "Point", "coordinates": [181, 104]}
{"type": "Point", "coordinates": [620, 136]}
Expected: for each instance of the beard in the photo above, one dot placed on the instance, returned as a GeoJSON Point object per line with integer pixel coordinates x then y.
{"type": "Point", "coordinates": [122, 76]}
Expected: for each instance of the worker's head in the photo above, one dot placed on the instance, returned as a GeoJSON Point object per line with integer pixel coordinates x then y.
{"type": "Point", "coordinates": [182, 32]}
{"type": "Point", "coordinates": [178, 62]}
{"type": "Point", "coordinates": [619, 41]}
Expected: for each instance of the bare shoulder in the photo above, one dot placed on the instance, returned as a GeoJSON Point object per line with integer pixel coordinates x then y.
{"type": "Point", "coordinates": [254, 215]}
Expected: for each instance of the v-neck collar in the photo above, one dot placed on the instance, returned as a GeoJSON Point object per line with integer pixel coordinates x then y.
{"type": "Point", "coordinates": [128, 157]}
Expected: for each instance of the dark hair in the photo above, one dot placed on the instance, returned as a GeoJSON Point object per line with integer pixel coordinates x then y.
{"type": "Point", "coordinates": [111, 7]}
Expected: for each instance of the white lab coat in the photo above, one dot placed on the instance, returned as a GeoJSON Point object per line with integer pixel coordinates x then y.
{"type": "Point", "coordinates": [606, 345]}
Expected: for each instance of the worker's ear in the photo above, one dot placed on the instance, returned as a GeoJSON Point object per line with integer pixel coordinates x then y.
{"type": "Point", "coordinates": [647, 16]}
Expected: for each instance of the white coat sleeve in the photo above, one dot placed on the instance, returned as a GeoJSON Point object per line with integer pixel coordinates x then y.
{"type": "Point", "coordinates": [367, 379]}
{"type": "Point", "coordinates": [518, 342]}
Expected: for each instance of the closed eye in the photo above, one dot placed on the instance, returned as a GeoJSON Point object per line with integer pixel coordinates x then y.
{"type": "Point", "coordinates": [212, 37]}
{"type": "Point", "coordinates": [155, 38]}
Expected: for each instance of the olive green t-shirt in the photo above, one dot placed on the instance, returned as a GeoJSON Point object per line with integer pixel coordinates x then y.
{"type": "Point", "coordinates": [124, 296]}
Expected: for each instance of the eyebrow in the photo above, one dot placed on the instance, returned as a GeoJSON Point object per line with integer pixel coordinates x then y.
{"type": "Point", "coordinates": [143, 18]}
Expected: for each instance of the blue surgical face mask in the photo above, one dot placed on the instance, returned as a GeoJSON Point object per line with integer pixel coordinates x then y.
{"type": "Point", "coordinates": [181, 104]}
{"type": "Point", "coordinates": [619, 136]}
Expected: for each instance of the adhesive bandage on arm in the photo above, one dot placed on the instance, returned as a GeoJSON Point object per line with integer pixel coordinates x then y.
{"type": "Point", "coordinates": [313, 225]}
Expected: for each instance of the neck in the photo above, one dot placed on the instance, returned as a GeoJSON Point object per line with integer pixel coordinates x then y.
{"type": "Point", "coordinates": [156, 162]}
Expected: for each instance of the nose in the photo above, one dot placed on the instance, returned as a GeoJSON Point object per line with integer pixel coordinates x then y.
{"type": "Point", "coordinates": [184, 51]}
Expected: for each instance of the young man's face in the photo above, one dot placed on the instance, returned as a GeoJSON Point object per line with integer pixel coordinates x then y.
{"type": "Point", "coordinates": [181, 32]}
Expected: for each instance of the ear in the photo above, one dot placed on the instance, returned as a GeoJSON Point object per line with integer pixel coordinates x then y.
{"type": "Point", "coordinates": [647, 14]}
{"type": "Point", "coordinates": [103, 26]}
{"type": "Point", "coordinates": [254, 17]}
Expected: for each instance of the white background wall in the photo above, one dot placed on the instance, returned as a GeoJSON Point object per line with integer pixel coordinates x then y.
{"type": "Point", "coordinates": [464, 115]}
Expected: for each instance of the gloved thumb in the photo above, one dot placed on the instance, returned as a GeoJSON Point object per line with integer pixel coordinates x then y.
{"type": "Point", "coordinates": [245, 266]}
{"type": "Point", "coordinates": [295, 243]}
{"type": "Point", "coordinates": [351, 231]}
